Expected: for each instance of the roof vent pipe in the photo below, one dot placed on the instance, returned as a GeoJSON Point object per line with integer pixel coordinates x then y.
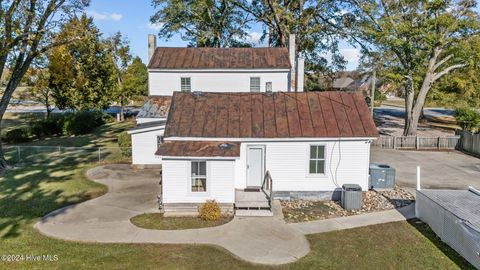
{"type": "Point", "coordinates": [152, 45]}
{"type": "Point", "coordinates": [474, 190]}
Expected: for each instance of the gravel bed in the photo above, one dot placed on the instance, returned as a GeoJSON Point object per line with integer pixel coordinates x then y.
{"type": "Point", "coordinates": [372, 201]}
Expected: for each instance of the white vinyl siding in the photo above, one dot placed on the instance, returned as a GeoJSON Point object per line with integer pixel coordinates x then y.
{"type": "Point", "coordinates": [165, 83]}
{"type": "Point", "coordinates": [254, 84]}
{"type": "Point", "coordinates": [144, 146]}
{"type": "Point", "coordinates": [185, 84]}
{"type": "Point", "coordinates": [176, 182]}
{"type": "Point", "coordinates": [346, 162]}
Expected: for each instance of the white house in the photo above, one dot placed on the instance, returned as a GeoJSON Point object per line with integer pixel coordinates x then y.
{"type": "Point", "coordinates": [220, 145]}
{"type": "Point", "coordinates": [210, 70]}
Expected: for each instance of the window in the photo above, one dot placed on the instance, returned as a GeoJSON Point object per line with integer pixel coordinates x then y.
{"type": "Point", "coordinates": [254, 84]}
{"type": "Point", "coordinates": [185, 84]}
{"type": "Point", "coordinates": [268, 87]}
{"type": "Point", "coordinates": [199, 176]}
{"type": "Point", "coordinates": [317, 159]}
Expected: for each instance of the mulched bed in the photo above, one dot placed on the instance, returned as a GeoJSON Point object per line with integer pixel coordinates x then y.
{"type": "Point", "coordinates": [156, 221]}
{"type": "Point", "coordinates": [373, 201]}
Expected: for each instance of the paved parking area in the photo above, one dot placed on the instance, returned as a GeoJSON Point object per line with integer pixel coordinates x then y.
{"type": "Point", "coordinates": [439, 170]}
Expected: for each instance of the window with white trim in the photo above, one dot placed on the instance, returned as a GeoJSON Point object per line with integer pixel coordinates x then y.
{"type": "Point", "coordinates": [199, 176]}
{"type": "Point", "coordinates": [317, 159]}
{"type": "Point", "coordinates": [254, 84]}
{"type": "Point", "coordinates": [185, 84]}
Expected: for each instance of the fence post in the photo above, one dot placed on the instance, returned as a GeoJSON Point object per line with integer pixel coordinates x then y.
{"type": "Point", "coordinates": [99, 155]}
{"type": "Point", "coordinates": [19, 155]}
{"type": "Point", "coordinates": [394, 142]}
{"type": "Point", "coordinates": [417, 144]}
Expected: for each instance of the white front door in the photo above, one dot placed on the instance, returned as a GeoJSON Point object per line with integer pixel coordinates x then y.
{"type": "Point", "coordinates": [255, 166]}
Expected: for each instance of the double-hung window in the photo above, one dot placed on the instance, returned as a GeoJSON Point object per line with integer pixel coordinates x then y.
{"type": "Point", "coordinates": [317, 159]}
{"type": "Point", "coordinates": [199, 176]}
{"type": "Point", "coordinates": [185, 84]}
{"type": "Point", "coordinates": [254, 84]}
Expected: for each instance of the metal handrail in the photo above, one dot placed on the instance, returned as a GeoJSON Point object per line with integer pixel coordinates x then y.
{"type": "Point", "coordinates": [267, 185]}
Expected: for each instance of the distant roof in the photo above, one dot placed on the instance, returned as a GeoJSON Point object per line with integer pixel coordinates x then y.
{"type": "Point", "coordinates": [269, 115]}
{"type": "Point", "coordinates": [220, 58]}
{"type": "Point", "coordinates": [342, 82]}
{"type": "Point", "coordinates": [155, 107]}
{"type": "Point", "coordinates": [199, 149]}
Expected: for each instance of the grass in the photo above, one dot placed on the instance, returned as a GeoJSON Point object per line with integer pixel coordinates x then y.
{"type": "Point", "coordinates": [157, 221]}
{"type": "Point", "coordinates": [28, 193]}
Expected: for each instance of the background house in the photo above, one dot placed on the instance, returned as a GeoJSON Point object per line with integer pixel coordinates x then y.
{"type": "Point", "coordinates": [212, 70]}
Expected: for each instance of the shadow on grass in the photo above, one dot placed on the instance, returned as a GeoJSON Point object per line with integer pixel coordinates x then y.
{"type": "Point", "coordinates": [29, 193]}
{"type": "Point", "coordinates": [426, 231]}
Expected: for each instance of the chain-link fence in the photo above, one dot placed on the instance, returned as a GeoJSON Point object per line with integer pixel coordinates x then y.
{"type": "Point", "coordinates": [23, 155]}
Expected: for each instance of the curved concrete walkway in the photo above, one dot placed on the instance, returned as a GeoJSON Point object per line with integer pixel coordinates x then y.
{"type": "Point", "coordinates": [264, 240]}
{"type": "Point", "coordinates": [106, 219]}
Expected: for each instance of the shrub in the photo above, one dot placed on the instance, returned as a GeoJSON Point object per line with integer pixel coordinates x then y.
{"type": "Point", "coordinates": [83, 122]}
{"type": "Point", "coordinates": [210, 211]}
{"type": "Point", "coordinates": [18, 135]}
{"type": "Point", "coordinates": [125, 143]}
{"type": "Point", "coordinates": [52, 125]}
{"type": "Point", "coordinates": [468, 119]}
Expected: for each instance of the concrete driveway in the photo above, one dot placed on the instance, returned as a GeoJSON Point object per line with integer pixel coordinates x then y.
{"type": "Point", "coordinates": [439, 170]}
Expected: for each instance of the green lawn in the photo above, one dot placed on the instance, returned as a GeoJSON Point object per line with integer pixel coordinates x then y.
{"type": "Point", "coordinates": [157, 221]}
{"type": "Point", "coordinates": [28, 193]}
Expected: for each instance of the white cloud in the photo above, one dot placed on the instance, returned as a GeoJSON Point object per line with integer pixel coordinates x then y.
{"type": "Point", "coordinates": [351, 54]}
{"type": "Point", "coordinates": [154, 26]}
{"type": "Point", "coordinates": [104, 16]}
{"type": "Point", "coordinates": [254, 37]}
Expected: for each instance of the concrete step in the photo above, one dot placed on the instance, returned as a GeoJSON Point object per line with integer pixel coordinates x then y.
{"type": "Point", "coordinates": [253, 213]}
{"type": "Point", "coordinates": [252, 204]}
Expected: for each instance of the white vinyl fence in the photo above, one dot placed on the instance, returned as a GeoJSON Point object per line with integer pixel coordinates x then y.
{"type": "Point", "coordinates": [416, 142]}
{"type": "Point", "coordinates": [16, 155]}
{"type": "Point", "coordinates": [469, 142]}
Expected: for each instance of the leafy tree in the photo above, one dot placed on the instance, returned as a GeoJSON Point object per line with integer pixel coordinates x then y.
{"type": "Point", "coordinates": [416, 41]}
{"type": "Point", "coordinates": [41, 91]}
{"type": "Point", "coordinates": [120, 52]}
{"type": "Point", "coordinates": [26, 30]}
{"type": "Point", "coordinates": [203, 23]}
{"type": "Point", "coordinates": [82, 73]}
{"type": "Point", "coordinates": [462, 87]}
{"type": "Point", "coordinates": [314, 24]}
{"type": "Point", "coordinates": [135, 82]}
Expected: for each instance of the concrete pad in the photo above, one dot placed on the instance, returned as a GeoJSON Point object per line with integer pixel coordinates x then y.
{"type": "Point", "coordinates": [439, 170]}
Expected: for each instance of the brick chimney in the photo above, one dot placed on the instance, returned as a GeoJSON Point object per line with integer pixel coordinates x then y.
{"type": "Point", "coordinates": [152, 45]}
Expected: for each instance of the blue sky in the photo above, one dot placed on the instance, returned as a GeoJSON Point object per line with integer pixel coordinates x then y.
{"type": "Point", "coordinates": [131, 17]}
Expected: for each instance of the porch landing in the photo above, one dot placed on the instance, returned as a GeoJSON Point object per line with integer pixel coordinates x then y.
{"type": "Point", "coordinates": [252, 203]}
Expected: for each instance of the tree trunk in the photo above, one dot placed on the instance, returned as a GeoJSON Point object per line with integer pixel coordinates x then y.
{"type": "Point", "coordinates": [410, 127]}
{"type": "Point", "coordinates": [3, 162]}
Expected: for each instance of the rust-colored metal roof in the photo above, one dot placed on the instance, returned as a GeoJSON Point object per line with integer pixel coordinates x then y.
{"type": "Point", "coordinates": [199, 149]}
{"type": "Point", "coordinates": [220, 58]}
{"type": "Point", "coordinates": [155, 107]}
{"type": "Point", "coordinates": [269, 115]}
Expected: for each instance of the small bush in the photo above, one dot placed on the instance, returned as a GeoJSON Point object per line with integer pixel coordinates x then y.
{"type": "Point", "coordinates": [468, 119]}
{"type": "Point", "coordinates": [210, 211]}
{"type": "Point", "coordinates": [18, 135]}
{"type": "Point", "coordinates": [52, 125]}
{"type": "Point", "coordinates": [125, 143]}
{"type": "Point", "coordinates": [83, 122]}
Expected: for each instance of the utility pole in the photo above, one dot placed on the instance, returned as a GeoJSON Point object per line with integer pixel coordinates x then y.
{"type": "Point", "coordinates": [372, 93]}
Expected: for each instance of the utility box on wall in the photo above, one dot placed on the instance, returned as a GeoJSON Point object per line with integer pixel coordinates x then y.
{"type": "Point", "coordinates": [381, 176]}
